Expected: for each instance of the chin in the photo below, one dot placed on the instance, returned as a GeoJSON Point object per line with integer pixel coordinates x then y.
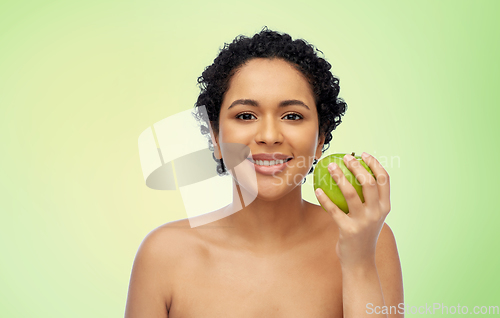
{"type": "Point", "coordinates": [271, 192]}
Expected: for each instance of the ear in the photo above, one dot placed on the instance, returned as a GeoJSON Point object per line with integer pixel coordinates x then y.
{"type": "Point", "coordinates": [215, 141]}
{"type": "Point", "coordinates": [321, 142]}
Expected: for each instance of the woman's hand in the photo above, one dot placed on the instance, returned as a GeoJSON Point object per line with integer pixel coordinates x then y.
{"type": "Point", "coordinates": [359, 230]}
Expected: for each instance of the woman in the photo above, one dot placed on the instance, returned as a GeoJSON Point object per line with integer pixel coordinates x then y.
{"type": "Point", "coordinates": [279, 256]}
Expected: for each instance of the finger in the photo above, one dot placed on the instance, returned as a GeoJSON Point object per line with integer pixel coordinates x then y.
{"type": "Point", "coordinates": [351, 196]}
{"type": "Point", "coordinates": [383, 183]}
{"type": "Point", "coordinates": [364, 178]}
{"type": "Point", "coordinates": [338, 215]}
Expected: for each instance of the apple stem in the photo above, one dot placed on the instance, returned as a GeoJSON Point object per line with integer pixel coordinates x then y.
{"type": "Point", "coordinates": [352, 154]}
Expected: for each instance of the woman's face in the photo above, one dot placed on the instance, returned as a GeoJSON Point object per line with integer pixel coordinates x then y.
{"type": "Point", "coordinates": [251, 115]}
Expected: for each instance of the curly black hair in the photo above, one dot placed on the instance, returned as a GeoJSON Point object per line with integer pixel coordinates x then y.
{"type": "Point", "coordinates": [214, 80]}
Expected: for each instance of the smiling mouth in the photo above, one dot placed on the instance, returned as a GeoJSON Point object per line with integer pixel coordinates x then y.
{"type": "Point", "coordinates": [268, 162]}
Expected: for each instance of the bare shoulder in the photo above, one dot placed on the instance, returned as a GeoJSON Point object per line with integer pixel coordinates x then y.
{"type": "Point", "coordinates": [178, 230]}
{"type": "Point", "coordinates": [172, 244]}
{"type": "Point", "coordinates": [386, 245]}
{"type": "Point", "coordinates": [153, 278]}
{"type": "Point", "coordinates": [167, 240]}
{"type": "Point", "coordinates": [389, 267]}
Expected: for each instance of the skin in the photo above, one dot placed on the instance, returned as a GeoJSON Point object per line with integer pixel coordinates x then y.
{"type": "Point", "coordinates": [280, 256]}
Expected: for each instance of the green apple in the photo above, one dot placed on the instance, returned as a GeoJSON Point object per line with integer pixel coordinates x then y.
{"type": "Point", "coordinates": [324, 180]}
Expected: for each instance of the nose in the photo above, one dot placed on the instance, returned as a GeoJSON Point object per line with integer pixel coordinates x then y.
{"type": "Point", "coordinates": [269, 132]}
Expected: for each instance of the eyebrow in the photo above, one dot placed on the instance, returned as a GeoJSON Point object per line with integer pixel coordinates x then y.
{"type": "Point", "coordinates": [251, 102]}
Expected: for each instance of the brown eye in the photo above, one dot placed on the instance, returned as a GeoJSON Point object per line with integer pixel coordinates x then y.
{"type": "Point", "coordinates": [244, 114]}
{"type": "Point", "coordinates": [293, 114]}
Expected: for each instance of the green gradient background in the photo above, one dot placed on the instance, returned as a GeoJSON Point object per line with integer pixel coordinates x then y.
{"type": "Point", "coordinates": [79, 81]}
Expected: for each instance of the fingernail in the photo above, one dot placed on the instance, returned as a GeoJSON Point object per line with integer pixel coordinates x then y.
{"type": "Point", "coordinates": [332, 166]}
{"type": "Point", "coordinates": [364, 155]}
{"type": "Point", "coordinates": [319, 192]}
{"type": "Point", "coordinates": [348, 157]}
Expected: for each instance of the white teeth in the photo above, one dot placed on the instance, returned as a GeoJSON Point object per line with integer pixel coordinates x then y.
{"type": "Point", "coordinates": [268, 162]}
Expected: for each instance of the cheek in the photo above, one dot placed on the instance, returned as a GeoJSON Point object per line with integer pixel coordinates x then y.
{"type": "Point", "coordinates": [231, 132]}
{"type": "Point", "coordinates": [303, 138]}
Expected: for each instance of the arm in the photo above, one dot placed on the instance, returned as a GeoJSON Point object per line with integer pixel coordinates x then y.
{"type": "Point", "coordinates": [147, 294]}
{"type": "Point", "coordinates": [389, 271]}
{"type": "Point", "coordinates": [371, 273]}
{"type": "Point", "coordinates": [369, 287]}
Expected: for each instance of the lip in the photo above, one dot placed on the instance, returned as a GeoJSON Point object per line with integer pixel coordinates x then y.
{"type": "Point", "coordinates": [270, 156]}
{"type": "Point", "coordinates": [269, 170]}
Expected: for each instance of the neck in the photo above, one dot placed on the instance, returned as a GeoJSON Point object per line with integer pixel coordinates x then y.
{"type": "Point", "coordinates": [268, 224]}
